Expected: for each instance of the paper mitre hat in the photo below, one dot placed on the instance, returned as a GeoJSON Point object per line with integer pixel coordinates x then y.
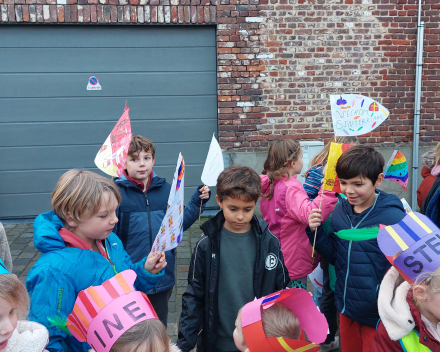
{"type": "Point", "coordinates": [103, 313]}
{"type": "Point", "coordinates": [299, 301]}
{"type": "Point", "coordinates": [412, 245]}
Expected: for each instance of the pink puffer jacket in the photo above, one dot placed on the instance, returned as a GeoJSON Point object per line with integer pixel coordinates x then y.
{"type": "Point", "coordinates": [288, 216]}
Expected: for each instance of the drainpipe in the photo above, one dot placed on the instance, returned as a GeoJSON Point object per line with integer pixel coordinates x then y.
{"type": "Point", "coordinates": [417, 98]}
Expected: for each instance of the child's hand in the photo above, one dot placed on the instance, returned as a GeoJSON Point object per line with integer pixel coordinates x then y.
{"type": "Point", "coordinates": [155, 263]}
{"type": "Point", "coordinates": [205, 192]}
{"type": "Point", "coordinates": [315, 218]}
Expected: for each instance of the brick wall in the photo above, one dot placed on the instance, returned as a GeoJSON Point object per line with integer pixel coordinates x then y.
{"type": "Point", "coordinates": [278, 60]}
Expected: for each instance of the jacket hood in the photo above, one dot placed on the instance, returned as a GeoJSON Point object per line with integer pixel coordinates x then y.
{"type": "Point", "coordinates": [156, 182]}
{"type": "Point", "coordinates": [425, 172]}
{"type": "Point", "coordinates": [394, 309]}
{"type": "Point", "coordinates": [428, 158]}
{"type": "Point", "coordinates": [265, 184]}
{"type": "Point", "coordinates": [46, 236]}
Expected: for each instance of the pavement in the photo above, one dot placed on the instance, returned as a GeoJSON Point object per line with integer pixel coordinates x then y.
{"type": "Point", "coordinates": [24, 256]}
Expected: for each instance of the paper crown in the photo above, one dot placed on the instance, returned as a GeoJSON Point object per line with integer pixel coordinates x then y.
{"type": "Point", "coordinates": [299, 301]}
{"type": "Point", "coordinates": [412, 245]}
{"type": "Point", "coordinates": [103, 313]}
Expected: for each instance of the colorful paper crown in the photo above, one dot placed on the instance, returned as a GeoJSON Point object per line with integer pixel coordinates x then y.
{"type": "Point", "coordinates": [299, 301]}
{"type": "Point", "coordinates": [412, 245]}
{"type": "Point", "coordinates": [103, 313]}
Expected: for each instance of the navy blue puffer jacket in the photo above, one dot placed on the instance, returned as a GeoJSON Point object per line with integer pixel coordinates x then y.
{"type": "Point", "coordinates": [140, 216]}
{"type": "Point", "coordinates": [359, 263]}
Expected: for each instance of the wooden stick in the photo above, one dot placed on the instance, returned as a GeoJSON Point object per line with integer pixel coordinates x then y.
{"type": "Point", "coordinates": [316, 230]}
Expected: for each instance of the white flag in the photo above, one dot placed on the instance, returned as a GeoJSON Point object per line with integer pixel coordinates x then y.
{"type": "Point", "coordinates": [213, 165]}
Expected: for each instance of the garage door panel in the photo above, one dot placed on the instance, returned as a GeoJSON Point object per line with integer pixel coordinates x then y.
{"type": "Point", "coordinates": [129, 84]}
{"type": "Point", "coordinates": [101, 108]}
{"type": "Point", "coordinates": [107, 36]}
{"type": "Point", "coordinates": [72, 133]}
{"type": "Point", "coordinates": [151, 59]}
{"type": "Point", "coordinates": [68, 157]}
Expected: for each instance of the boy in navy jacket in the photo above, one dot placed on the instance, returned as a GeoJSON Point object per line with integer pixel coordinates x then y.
{"type": "Point", "coordinates": [351, 243]}
{"type": "Point", "coordinates": [142, 209]}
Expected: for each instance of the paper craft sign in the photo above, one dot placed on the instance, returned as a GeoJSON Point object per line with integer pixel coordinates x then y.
{"type": "Point", "coordinates": [317, 277]}
{"type": "Point", "coordinates": [113, 153]}
{"type": "Point", "coordinates": [412, 245]}
{"type": "Point", "coordinates": [331, 181]}
{"type": "Point", "coordinates": [214, 164]}
{"type": "Point", "coordinates": [353, 114]}
{"type": "Point", "coordinates": [397, 169]}
{"type": "Point", "coordinates": [406, 206]}
{"type": "Point", "coordinates": [171, 230]}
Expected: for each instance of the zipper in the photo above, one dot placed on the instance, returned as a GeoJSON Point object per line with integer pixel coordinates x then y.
{"type": "Point", "coordinates": [149, 227]}
{"type": "Point", "coordinates": [346, 276]}
{"type": "Point", "coordinates": [108, 257]}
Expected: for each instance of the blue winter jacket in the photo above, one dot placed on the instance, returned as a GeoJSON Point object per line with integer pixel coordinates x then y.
{"type": "Point", "coordinates": [140, 216]}
{"type": "Point", "coordinates": [433, 208]}
{"type": "Point", "coordinates": [360, 265]}
{"type": "Point", "coordinates": [61, 273]}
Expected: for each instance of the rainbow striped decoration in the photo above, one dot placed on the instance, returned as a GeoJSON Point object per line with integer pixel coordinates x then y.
{"type": "Point", "coordinates": [397, 169]}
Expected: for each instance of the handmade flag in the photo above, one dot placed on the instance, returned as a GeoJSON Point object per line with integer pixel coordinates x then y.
{"type": "Point", "coordinates": [171, 230]}
{"type": "Point", "coordinates": [101, 314]}
{"type": "Point", "coordinates": [331, 181]}
{"type": "Point", "coordinates": [353, 114]}
{"type": "Point", "coordinates": [397, 169]}
{"type": "Point", "coordinates": [411, 245]}
{"type": "Point", "coordinates": [113, 153]}
{"type": "Point", "coordinates": [317, 277]}
{"type": "Point", "coordinates": [299, 301]}
{"type": "Point", "coordinates": [214, 164]}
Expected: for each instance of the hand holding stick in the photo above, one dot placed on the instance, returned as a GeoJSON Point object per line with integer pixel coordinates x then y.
{"type": "Point", "coordinates": [316, 229]}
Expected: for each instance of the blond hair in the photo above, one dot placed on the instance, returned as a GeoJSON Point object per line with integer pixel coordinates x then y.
{"type": "Point", "coordinates": [430, 281]}
{"type": "Point", "coordinates": [13, 291]}
{"type": "Point", "coordinates": [144, 336]}
{"type": "Point", "coordinates": [80, 193]}
{"type": "Point", "coordinates": [321, 157]}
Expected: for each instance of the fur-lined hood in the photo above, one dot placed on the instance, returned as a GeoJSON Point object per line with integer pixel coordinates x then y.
{"type": "Point", "coordinates": [393, 307]}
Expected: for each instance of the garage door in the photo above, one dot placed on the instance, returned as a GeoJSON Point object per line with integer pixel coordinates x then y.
{"type": "Point", "coordinates": [50, 122]}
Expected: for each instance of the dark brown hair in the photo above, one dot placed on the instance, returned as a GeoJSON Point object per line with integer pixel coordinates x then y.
{"type": "Point", "coordinates": [280, 154]}
{"type": "Point", "coordinates": [139, 144]}
{"type": "Point", "coordinates": [238, 181]}
{"type": "Point", "coordinates": [360, 160]}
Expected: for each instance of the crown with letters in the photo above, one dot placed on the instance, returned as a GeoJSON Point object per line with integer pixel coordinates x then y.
{"type": "Point", "coordinates": [299, 301]}
{"type": "Point", "coordinates": [103, 313]}
{"type": "Point", "coordinates": [412, 245]}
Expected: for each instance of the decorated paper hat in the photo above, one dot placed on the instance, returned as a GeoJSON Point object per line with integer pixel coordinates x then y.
{"type": "Point", "coordinates": [299, 301]}
{"type": "Point", "coordinates": [412, 245]}
{"type": "Point", "coordinates": [103, 313]}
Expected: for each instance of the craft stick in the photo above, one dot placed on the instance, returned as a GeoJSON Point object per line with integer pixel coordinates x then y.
{"type": "Point", "coordinates": [316, 230]}
{"type": "Point", "coordinates": [200, 211]}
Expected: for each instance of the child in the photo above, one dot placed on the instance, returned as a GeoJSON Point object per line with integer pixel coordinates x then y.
{"type": "Point", "coordinates": [117, 318]}
{"type": "Point", "coordinates": [286, 207]}
{"type": "Point", "coordinates": [429, 160]}
{"type": "Point", "coordinates": [18, 335]}
{"type": "Point", "coordinates": [142, 209]}
{"type": "Point", "coordinates": [350, 244]}
{"type": "Point", "coordinates": [274, 323]}
{"type": "Point", "coordinates": [409, 310]}
{"type": "Point", "coordinates": [235, 260]}
{"type": "Point", "coordinates": [79, 250]}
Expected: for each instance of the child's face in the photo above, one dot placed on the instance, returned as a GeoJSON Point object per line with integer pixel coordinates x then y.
{"type": "Point", "coordinates": [8, 322]}
{"type": "Point", "coordinates": [238, 214]}
{"type": "Point", "coordinates": [429, 303]}
{"type": "Point", "coordinates": [99, 226]}
{"type": "Point", "coordinates": [360, 191]}
{"type": "Point", "coordinates": [297, 164]}
{"type": "Point", "coordinates": [140, 166]}
{"type": "Point", "coordinates": [238, 336]}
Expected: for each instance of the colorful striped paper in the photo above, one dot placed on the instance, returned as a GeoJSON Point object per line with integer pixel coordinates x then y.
{"type": "Point", "coordinates": [397, 169]}
{"type": "Point", "coordinates": [331, 181]}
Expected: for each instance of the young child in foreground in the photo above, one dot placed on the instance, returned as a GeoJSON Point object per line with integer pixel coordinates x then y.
{"type": "Point", "coordinates": [16, 334]}
{"type": "Point", "coordinates": [235, 260]}
{"type": "Point", "coordinates": [274, 322]}
{"type": "Point", "coordinates": [143, 206]}
{"type": "Point", "coordinates": [409, 296]}
{"type": "Point", "coordinates": [114, 317]}
{"type": "Point", "coordinates": [351, 245]}
{"type": "Point", "coordinates": [79, 250]}
{"type": "Point", "coordinates": [286, 207]}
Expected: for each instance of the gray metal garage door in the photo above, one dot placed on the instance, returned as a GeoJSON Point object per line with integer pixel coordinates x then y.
{"type": "Point", "coordinates": [50, 122]}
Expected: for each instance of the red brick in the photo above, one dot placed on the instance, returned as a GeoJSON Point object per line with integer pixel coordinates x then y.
{"type": "Point", "coordinates": [174, 14]}
{"type": "Point", "coordinates": [93, 14]}
{"type": "Point", "coordinates": [60, 13]}
{"type": "Point", "coordinates": [25, 10]}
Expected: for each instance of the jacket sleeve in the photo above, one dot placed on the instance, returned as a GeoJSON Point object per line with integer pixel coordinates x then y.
{"type": "Point", "coordinates": [52, 299]}
{"type": "Point", "coordinates": [193, 301]}
{"type": "Point", "coordinates": [325, 242]}
{"type": "Point", "coordinates": [299, 206]}
{"type": "Point", "coordinates": [282, 272]}
{"type": "Point", "coordinates": [192, 209]}
{"type": "Point", "coordinates": [383, 343]}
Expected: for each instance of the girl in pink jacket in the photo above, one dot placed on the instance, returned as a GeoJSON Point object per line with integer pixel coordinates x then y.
{"type": "Point", "coordinates": [285, 205]}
